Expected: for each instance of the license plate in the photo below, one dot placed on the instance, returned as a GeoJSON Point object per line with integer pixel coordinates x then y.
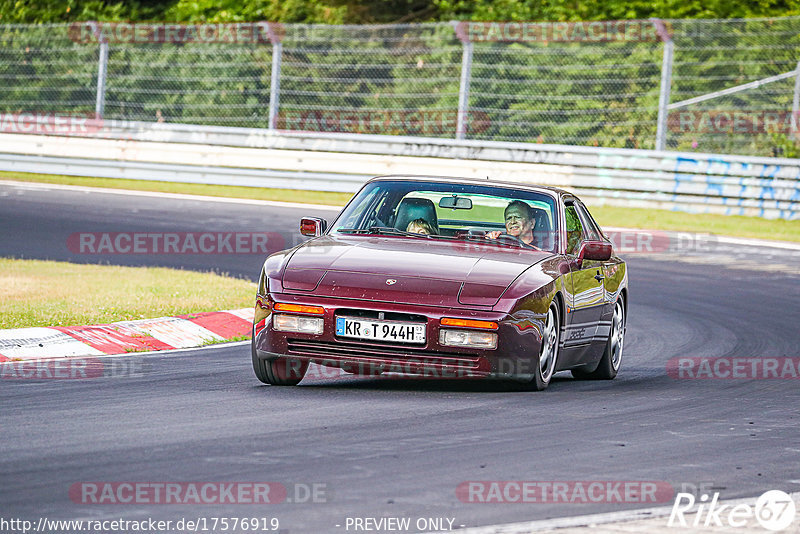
{"type": "Point", "coordinates": [380, 330]}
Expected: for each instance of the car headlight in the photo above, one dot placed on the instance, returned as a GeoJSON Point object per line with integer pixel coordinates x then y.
{"type": "Point", "coordinates": [297, 323]}
{"type": "Point", "coordinates": [468, 338]}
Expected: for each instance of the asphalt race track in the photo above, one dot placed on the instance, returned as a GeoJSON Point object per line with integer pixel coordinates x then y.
{"type": "Point", "coordinates": [37, 223]}
{"type": "Point", "coordinates": [398, 448]}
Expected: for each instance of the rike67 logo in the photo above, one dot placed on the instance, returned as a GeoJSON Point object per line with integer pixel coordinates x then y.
{"type": "Point", "coordinates": [774, 510]}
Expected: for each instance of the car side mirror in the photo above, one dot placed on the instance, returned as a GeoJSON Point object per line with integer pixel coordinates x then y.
{"type": "Point", "coordinates": [313, 226]}
{"type": "Point", "coordinates": [594, 250]}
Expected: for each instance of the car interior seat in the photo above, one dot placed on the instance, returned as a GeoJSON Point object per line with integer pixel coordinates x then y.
{"type": "Point", "coordinates": [542, 231]}
{"type": "Point", "coordinates": [411, 208]}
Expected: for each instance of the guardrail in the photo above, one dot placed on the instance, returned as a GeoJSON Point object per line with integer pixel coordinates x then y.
{"type": "Point", "coordinates": [735, 185]}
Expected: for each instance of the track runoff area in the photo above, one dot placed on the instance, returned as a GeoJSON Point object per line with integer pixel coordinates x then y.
{"type": "Point", "coordinates": [627, 440]}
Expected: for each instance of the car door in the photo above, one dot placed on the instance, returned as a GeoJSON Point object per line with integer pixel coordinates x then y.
{"type": "Point", "coordinates": [607, 270]}
{"type": "Point", "coordinates": [586, 282]}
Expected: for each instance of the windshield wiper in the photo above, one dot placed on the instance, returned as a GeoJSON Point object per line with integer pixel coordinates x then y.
{"type": "Point", "coordinates": [389, 230]}
{"type": "Point", "coordinates": [373, 230]}
{"type": "Point", "coordinates": [476, 235]}
{"type": "Point", "coordinates": [386, 230]}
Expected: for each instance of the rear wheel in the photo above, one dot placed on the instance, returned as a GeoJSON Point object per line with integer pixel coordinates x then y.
{"type": "Point", "coordinates": [548, 353]}
{"type": "Point", "coordinates": [612, 356]}
{"type": "Point", "coordinates": [278, 371]}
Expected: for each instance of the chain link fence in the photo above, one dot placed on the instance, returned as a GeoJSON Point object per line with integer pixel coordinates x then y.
{"type": "Point", "coordinates": [743, 75]}
{"type": "Point", "coordinates": [721, 86]}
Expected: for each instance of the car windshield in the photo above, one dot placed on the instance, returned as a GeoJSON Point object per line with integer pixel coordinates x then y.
{"type": "Point", "coordinates": [438, 210]}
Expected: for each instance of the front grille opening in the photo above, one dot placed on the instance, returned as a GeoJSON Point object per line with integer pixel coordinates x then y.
{"type": "Point", "coordinates": [361, 352]}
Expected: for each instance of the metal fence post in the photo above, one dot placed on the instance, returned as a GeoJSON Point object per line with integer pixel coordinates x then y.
{"type": "Point", "coordinates": [275, 84]}
{"type": "Point", "coordinates": [275, 78]}
{"type": "Point", "coordinates": [463, 88]}
{"type": "Point", "coordinates": [796, 100]}
{"type": "Point", "coordinates": [102, 69]}
{"type": "Point", "coordinates": [666, 82]}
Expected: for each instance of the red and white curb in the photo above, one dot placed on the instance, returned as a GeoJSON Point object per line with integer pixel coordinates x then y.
{"type": "Point", "coordinates": [163, 333]}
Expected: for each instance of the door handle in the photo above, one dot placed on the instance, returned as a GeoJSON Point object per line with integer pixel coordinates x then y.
{"type": "Point", "coordinates": [599, 277]}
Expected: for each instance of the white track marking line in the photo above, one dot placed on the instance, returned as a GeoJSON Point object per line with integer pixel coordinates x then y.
{"type": "Point", "coordinates": [788, 245]}
{"type": "Point", "coordinates": [178, 196]}
{"type": "Point", "coordinates": [135, 354]}
{"type": "Point", "coordinates": [170, 352]}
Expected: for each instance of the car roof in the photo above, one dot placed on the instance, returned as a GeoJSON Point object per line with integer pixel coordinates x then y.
{"type": "Point", "coordinates": [475, 181]}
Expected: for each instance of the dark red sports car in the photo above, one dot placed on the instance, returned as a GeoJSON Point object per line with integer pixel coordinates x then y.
{"type": "Point", "coordinates": [445, 277]}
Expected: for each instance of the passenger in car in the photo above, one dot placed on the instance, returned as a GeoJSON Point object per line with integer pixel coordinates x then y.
{"type": "Point", "coordinates": [520, 222]}
{"type": "Point", "coordinates": [420, 226]}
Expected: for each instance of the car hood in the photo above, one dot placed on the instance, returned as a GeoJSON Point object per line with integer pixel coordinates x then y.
{"type": "Point", "coordinates": [406, 270]}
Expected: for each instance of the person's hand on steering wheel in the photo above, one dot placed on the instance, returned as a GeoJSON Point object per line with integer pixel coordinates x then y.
{"type": "Point", "coordinates": [509, 238]}
{"type": "Point", "coordinates": [493, 234]}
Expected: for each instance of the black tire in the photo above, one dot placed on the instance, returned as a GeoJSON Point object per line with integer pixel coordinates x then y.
{"type": "Point", "coordinates": [547, 358]}
{"type": "Point", "coordinates": [611, 361]}
{"type": "Point", "coordinates": [278, 371]}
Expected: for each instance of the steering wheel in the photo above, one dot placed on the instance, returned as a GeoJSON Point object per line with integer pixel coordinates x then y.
{"type": "Point", "coordinates": [514, 240]}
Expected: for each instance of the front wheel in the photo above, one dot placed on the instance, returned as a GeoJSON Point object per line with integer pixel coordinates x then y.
{"type": "Point", "coordinates": [278, 371]}
{"type": "Point", "coordinates": [548, 353]}
{"type": "Point", "coordinates": [612, 356]}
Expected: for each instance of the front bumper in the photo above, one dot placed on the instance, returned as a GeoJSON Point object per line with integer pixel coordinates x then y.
{"type": "Point", "coordinates": [515, 356]}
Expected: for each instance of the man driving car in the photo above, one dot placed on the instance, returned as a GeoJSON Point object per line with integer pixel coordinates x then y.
{"type": "Point", "coordinates": [519, 222]}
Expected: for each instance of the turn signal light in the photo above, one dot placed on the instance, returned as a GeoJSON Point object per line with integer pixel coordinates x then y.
{"type": "Point", "coordinates": [299, 308]}
{"type": "Point", "coordinates": [469, 323]}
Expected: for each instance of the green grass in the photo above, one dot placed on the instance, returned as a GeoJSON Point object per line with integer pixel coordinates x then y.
{"type": "Point", "coordinates": [652, 219]}
{"type": "Point", "coordinates": [731, 225]}
{"type": "Point", "coordinates": [49, 293]}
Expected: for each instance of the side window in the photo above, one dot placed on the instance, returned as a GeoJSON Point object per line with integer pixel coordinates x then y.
{"type": "Point", "coordinates": [592, 231]}
{"type": "Point", "coordinates": [574, 229]}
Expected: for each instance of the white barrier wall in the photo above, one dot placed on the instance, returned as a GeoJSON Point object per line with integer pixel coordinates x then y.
{"type": "Point", "coordinates": [738, 185]}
